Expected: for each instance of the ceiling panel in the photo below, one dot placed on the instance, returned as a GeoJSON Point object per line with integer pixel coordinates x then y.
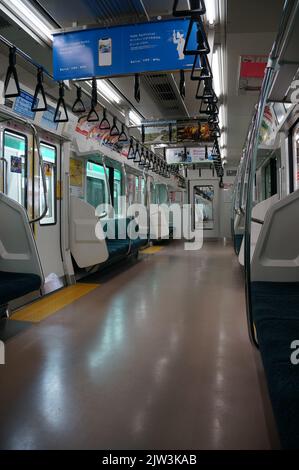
{"type": "Point", "coordinates": [250, 30]}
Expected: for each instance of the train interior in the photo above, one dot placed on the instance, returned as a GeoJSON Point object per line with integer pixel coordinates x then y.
{"type": "Point", "coordinates": [123, 328]}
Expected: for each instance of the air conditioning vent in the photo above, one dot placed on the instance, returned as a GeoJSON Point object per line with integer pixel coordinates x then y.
{"type": "Point", "coordinates": [162, 88]}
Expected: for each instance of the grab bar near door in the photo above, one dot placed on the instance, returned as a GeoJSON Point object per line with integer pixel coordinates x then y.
{"type": "Point", "coordinates": [43, 174]}
{"type": "Point", "coordinates": [2, 159]}
{"type": "Point", "coordinates": [12, 115]}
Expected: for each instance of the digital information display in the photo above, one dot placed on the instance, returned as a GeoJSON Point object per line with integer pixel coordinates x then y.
{"type": "Point", "coordinates": [22, 105]}
{"type": "Point", "coordinates": [123, 50]}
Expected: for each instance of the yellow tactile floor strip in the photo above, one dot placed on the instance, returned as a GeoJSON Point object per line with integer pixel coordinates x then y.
{"type": "Point", "coordinates": [52, 303]}
{"type": "Point", "coordinates": [152, 250]}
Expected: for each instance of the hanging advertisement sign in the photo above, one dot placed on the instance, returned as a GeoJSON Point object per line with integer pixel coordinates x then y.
{"type": "Point", "coordinates": [160, 134]}
{"type": "Point", "coordinates": [189, 132]}
{"type": "Point", "coordinates": [122, 50]}
{"type": "Point", "coordinates": [93, 131]}
{"type": "Point", "coordinates": [188, 155]}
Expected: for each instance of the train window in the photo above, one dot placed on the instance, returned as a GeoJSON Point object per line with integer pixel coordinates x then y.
{"type": "Point", "coordinates": [142, 200]}
{"type": "Point", "coordinates": [138, 188]}
{"type": "Point", "coordinates": [96, 192]}
{"type": "Point", "coordinates": [117, 190]}
{"type": "Point", "coordinates": [296, 157]}
{"type": "Point", "coordinates": [14, 182]}
{"type": "Point", "coordinates": [204, 197]}
{"type": "Point", "coordinates": [161, 195]}
{"type": "Point", "coordinates": [131, 188]}
{"type": "Point", "coordinates": [49, 154]}
{"type": "Point", "coordinates": [271, 178]}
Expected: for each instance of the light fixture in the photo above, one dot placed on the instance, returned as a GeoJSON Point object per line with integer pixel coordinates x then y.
{"type": "Point", "coordinates": [28, 19]}
{"type": "Point", "coordinates": [135, 118]}
{"type": "Point", "coordinates": [216, 68]}
{"type": "Point", "coordinates": [211, 11]}
{"type": "Point", "coordinates": [108, 92]}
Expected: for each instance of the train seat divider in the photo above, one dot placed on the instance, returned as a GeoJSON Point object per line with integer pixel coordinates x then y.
{"type": "Point", "coordinates": [20, 268]}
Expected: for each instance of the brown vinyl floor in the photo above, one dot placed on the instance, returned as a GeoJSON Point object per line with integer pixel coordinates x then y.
{"type": "Point", "coordinates": [156, 357]}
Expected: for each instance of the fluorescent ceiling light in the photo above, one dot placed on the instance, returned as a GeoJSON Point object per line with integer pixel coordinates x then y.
{"type": "Point", "coordinates": [211, 11]}
{"type": "Point", "coordinates": [135, 118]}
{"type": "Point", "coordinates": [27, 18]}
{"type": "Point", "coordinates": [108, 92]}
{"type": "Point", "coordinates": [217, 71]}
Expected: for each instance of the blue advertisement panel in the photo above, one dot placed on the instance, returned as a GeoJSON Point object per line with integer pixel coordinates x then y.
{"type": "Point", "coordinates": [122, 50]}
{"type": "Point", "coordinates": [23, 103]}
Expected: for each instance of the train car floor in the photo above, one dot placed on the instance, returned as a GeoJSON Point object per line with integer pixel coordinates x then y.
{"type": "Point", "coordinates": [156, 357]}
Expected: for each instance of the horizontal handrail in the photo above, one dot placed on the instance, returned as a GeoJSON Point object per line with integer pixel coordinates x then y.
{"type": "Point", "coordinates": [11, 115]}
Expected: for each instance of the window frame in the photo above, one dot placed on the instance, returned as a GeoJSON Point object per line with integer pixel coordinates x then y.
{"type": "Point", "coordinates": [48, 224]}
{"type": "Point", "coordinates": [86, 179]}
{"type": "Point", "coordinates": [292, 156]}
{"type": "Point", "coordinates": [24, 136]}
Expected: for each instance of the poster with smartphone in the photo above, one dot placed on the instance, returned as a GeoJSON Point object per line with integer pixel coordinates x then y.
{"type": "Point", "coordinates": [105, 52]}
{"type": "Point", "coordinates": [122, 50]}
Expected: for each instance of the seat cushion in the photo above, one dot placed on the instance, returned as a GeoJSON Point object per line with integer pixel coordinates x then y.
{"type": "Point", "coordinates": [14, 285]}
{"type": "Point", "coordinates": [138, 243]}
{"type": "Point", "coordinates": [276, 315]}
{"type": "Point", "coordinates": [117, 247]}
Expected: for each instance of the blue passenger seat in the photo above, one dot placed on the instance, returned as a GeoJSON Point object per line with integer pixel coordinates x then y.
{"type": "Point", "coordinates": [276, 316]}
{"type": "Point", "coordinates": [15, 285]}
{"type": "Point", "coordinates": [121, 245]}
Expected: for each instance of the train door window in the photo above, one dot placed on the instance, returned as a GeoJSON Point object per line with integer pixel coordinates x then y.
{"type": "Point", "coordinates": [137, 190]}
{"type": "Point", "coordinates": [117, 190]}
{"type": "Point", "coordinates": [143, 195]}
{"type": "Point", "coordinates": [49, 154]}
{"type": "Point", "coordinates": [140, 190]}
{"type": "Point", "coordinates": [162, 194]}
{"type": "Point", "coordinates": [15, 166]}
{"type": "Point", "coordinates": [131, 188]}
{"type": "Point", "coordinates": [296, 157]}
{"type": "Point", "coordinates": [96, 192]}
{"type": "Point", "coordinates": [271, 178]}
{"type": "Point", "coordinates": [204, 204]}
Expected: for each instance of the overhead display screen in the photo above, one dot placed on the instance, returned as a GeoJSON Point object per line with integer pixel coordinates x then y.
{"type": "Point", "coordinates": [122, 50]}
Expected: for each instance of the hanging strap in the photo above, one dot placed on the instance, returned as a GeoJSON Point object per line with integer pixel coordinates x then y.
{"type": "Point", "coordinates": [12, 73]}
{"type": "Point", "coordinates": [61, 104]}
{"type": "Point", "coordinates": [39, 89]}
{"type": "Point", "coordinates": [93, 115]}
{"type": "Point", "coordinates": [78, 106]}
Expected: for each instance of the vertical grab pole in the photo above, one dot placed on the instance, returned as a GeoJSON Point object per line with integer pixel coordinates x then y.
{"type": "Point", "coordinates": [5, 170]}
{"type": "Point", "coordinates": [42, 170]}
{"type": "Point", "coordinates": [107, 182]}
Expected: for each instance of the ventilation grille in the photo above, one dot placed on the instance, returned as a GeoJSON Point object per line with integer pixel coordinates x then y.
{"type": "Point", "coordinates": [162, 89]}
{"type": "Point", "coordinates": [115, 12]}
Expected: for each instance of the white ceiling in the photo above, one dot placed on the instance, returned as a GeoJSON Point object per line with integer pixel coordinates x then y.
{"type": "Point", "coordinates": [250, 29]}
